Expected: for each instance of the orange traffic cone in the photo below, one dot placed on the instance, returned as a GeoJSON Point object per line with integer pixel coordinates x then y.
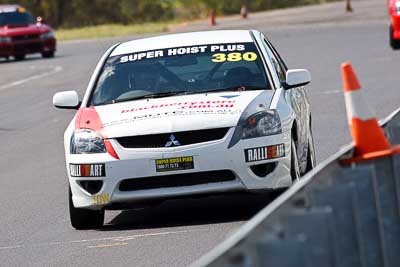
{"type": "Point", "coordinates": [243, 12]}
{"type": "Point", "coordinates": [212, 18]}
{"type": "Point", "coordinates": [369, 138]}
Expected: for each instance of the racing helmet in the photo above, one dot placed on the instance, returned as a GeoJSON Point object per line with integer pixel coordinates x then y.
{"type": "Point", "coordinates": [144, 77]}
{"type": "Point", "coordinates": [238, 76]}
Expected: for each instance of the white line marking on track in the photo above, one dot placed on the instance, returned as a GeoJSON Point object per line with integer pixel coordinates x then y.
{"type": "Point", "coordinates": [119, 244]}
{"type": "Point", "coordinates": [330, 92]}
{"type": "Point", "coordinates": [31, 78]}
{"type": "Point", "coordinates": [119, 240]}
{"type": "Point", "coordinates": [11, 247]}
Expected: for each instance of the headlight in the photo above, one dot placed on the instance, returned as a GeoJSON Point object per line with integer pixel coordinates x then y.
{"type": "Point", "coordinates": [262, 123]}
{"type": "Point", "coordinates": [86, 141]}
{"type": "Point", "coordinates": [47, 35]}
{"type": "Point", "coordinates": [5, 39]}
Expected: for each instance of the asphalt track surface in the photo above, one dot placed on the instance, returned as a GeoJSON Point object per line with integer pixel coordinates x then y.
{"type": "Point", "coordinates": [34, 223]}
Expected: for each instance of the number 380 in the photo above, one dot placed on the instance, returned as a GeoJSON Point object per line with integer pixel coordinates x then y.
{"type": "Point", "coordinates": [233, 57]}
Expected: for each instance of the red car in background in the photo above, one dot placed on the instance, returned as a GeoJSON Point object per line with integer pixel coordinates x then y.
{"type": "Point", "coordinates": [394, 30]}
{"type": "Point", "coordinates": [21, 34]}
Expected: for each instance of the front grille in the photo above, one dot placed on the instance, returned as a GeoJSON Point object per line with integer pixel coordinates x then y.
{"type": "Point", "coordinates": [28, 48]}
{"type": "Point", "coordinates": [178, 138]}
{"type": "Point", "coordinates": [25, 37]}
{"type": "Point", "coordinates": [176, 180]}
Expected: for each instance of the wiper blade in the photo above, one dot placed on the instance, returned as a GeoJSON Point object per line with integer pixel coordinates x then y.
{"type": "Point", "coordinates": [231, 88]}
{"type": "Point", "coordinates": [153, 95]}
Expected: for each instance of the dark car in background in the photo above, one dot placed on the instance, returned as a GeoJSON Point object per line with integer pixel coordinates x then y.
{"type": "Point", "coordinates": [21, 34]}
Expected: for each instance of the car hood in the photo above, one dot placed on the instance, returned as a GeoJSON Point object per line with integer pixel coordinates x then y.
{"type": "Point", "coordinates": [23, 29]}
{"type": "Point", "coordinates": [175, 114]}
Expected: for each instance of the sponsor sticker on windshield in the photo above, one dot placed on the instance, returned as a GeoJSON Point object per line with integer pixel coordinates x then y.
{"type": "Point", "coordinates": [218, 53]}
{"type": "Point", "coordinates": [233, 57]}
{"type": "Point", "coordinates": [174, 164]}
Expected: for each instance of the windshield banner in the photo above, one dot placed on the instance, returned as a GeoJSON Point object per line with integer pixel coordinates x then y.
{"type": "Point", "coordinates": [215, 49]}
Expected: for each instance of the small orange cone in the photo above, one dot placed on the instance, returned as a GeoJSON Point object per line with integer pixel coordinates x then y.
{"type": "Point", "coordinates": [369, 138]}
{"type": "Point", "coordinates": [212, 18]}
{"type": "Point", "coordinates": [243, 12]}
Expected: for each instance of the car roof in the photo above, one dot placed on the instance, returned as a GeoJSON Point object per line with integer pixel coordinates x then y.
{"type": "Point", "coordinates": [183, 40]}
{"type": "Point", "coordinates": [9, 8]}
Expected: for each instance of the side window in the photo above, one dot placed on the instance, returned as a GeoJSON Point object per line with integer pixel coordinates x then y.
{"type": "Point", "coordinates": [281, 72]}
{"type": "Point", "coordinates": [281, 62]}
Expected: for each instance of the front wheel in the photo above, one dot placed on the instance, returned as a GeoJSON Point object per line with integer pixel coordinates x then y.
{"type": "Point", "coordinates": [48, 54]}
{"type": "Point", "coordinates": [311, 161]}
{"type": "Point", "coordinates": [394, 43]}
{"type": "Point", "coordinates": [19, 57]}
{"type": "Point", "coordinates": [294, 163]}
{"type": "Point", "coordinates": [83, 218]}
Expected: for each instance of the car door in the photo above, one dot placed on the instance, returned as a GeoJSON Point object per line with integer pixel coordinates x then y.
{"type": "Point", "coordinates": [296, 97]}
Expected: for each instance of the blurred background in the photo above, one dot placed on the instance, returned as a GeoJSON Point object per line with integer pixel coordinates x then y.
{"type": "Point", "coordinates": [78, 13]}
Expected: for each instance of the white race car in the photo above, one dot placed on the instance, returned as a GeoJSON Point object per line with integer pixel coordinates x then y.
{"type": "Point", "coordinates": [181, 115]}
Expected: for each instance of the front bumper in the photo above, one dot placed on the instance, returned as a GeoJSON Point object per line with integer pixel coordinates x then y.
{"type": "Point", "coordinates": [208, 157]}
{"type": "Point", "coordinates": [27, 47]}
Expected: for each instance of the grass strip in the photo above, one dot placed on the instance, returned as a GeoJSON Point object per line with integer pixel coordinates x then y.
{"type": "Point", "coordinates": [110, 30]}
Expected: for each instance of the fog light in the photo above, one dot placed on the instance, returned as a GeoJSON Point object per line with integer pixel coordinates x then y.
{"type": "Point", "coordinates": [262, 170]}
{"type": "Point", "coordinates": [92, 187]}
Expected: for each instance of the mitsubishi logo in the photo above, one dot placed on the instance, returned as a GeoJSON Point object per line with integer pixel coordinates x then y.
{"type": "Point", "coordinates": [172, 142]}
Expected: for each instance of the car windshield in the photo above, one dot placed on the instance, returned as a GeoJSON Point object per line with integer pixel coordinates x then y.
{"type": "Point", "coordinates": [16, 18]}
{"type": "Point", "coordinates": [180, 70]}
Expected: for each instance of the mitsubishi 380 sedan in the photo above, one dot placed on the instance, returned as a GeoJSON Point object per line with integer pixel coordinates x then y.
{"type": "Point", "coordinates": [182, 115]}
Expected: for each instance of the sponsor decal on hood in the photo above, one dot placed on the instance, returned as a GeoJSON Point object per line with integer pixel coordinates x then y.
{"type": "Point", "coordinates": [175, 114]}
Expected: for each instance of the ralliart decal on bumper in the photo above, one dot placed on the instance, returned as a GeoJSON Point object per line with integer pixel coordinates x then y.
{"type": "Point", "coordinates": [87, 170]}
{"type": "Point", "coordinates": [265, 152]}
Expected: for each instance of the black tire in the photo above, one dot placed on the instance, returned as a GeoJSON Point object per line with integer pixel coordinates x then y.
{"type": "Point", "coordinates": [394, 43]}
{"type": "Point", "coordinates": [294, 163]}
{"type": "Point", "coordinates": [311, 161]}
{"type": "Point", "coordinates": [48, 54]}
{"type": "Point", "coordinates": [82, 219]}
{"type": "Point", "coordinates": [19, 57]}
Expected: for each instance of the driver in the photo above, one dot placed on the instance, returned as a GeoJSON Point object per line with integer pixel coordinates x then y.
{"type": "Point", "coordinates": [145, 78]}
{"type": "Point", "coordinates": [118, 82]}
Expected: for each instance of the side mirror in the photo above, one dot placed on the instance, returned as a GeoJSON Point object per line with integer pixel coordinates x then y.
{"type": "Point", "coordinates": [296, 78]}
{"type": "Point", "coordinates": [66, 100]}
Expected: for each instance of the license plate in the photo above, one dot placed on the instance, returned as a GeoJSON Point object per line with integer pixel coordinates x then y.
{"type": "Point", "coordinates": [174, 164]}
